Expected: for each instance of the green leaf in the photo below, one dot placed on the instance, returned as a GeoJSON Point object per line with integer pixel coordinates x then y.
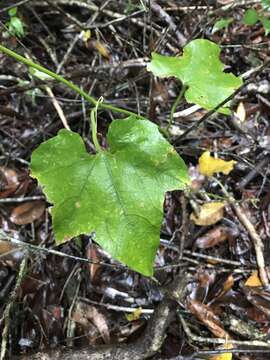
{"type": "Point", "coordinates": [221, 24]}
{"type": "Point", "coordinates": [118, 193]}
{"type": "Point", "coordinates": [12, 11]}
{"type": "Point", "coordinates": [16, 26]}
{"type": "Point", "coordinates": [266, 4]}
{"type": "Point", "coordinates": [251, 17]}
{"type": "Point", "coordinates": [39, 74]}
{"type": "Point", "coordinates": [266, 24]}
{"type": "Point", "coordinates": [201, 70]}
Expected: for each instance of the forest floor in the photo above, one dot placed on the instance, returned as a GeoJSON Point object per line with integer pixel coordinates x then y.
{"type": "Point", "coordinates": [211, 289]}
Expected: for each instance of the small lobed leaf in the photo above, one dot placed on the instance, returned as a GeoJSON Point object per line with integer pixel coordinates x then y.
{"type": "Point", "coordinates": [201, 70]}
{"type": "Point", "coordinates": [117, 193]}
{"type": "Point", "coordinates": [208, 165]}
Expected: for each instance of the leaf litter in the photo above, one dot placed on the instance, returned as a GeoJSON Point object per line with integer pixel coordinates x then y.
{"type": "Point", "coordinates": [226, 286]}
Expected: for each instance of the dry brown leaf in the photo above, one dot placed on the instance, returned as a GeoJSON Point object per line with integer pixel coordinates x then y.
{"type": "Point", "coordinates": [227, 285]}
{"type": "Point", "coordinates": [92, 254]}
{"type": "Point", "coordinates": [85, 312]}
{"type": "Point", "coordinates": [212, 238]}
{"type": "Point", "coordinates": [259, 298]}
{"type": "Point", "coordinates": [5, 247]}
{"type": "Point", "coordinates": [253, 280]}
{"type": "Point", "coordinates": [8, 181]}
{"type": "Point", "coordinates": [241, 112]}
{"type": "Point", "coordinates": [210, 213]}
{"type": "Point", "coordinates": [208, 318]}
{"type": "Point", "coordinates": [208, 165]}
{"type": "Point", "coordinates": [27, 212]}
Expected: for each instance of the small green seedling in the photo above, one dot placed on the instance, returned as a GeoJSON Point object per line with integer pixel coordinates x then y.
{"type": "Point", "coordinates": [132, 5]}
{"type": "Point", "coordinates": [251, 17]}
{"type": "Point", "coordinates": [32, 93]}
{"type": "Point", "coordinates": [265, 4]}
{"type": "Point", "coordinates": [221, 24]}
{"type": "Point", "coordinates": [16, 27]}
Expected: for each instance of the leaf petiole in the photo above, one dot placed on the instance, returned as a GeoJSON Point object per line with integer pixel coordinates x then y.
{"type": "Point", "coordinates": [176, 102]}
{"type": "Point", "coordinates": [93, 117]}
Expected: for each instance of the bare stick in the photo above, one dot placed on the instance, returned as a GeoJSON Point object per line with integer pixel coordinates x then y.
{"type": "Point", "coordinates": [206, 340]}
{"type": "Point", "coordinates": [167, 18]}
{"type": "Point", "coordinates": [5, 237]}
{"type": "Point", "coordinates": [257, 241]}
{"type": "Point", "coordinates": [57, 107]}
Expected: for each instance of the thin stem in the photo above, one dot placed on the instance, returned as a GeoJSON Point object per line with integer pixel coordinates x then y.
{"type": "Point", "coordinates": [94, 125]}
{"type": "Point", "coordinates": [61, 79]}
{"type": "Point", "coordinates": [175, 104]}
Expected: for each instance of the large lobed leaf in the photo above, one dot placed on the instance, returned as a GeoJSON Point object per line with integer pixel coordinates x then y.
{"type": "Point", "coordinates": [118, 193]}
{"type": "Point", "coordinates": [201, 70]}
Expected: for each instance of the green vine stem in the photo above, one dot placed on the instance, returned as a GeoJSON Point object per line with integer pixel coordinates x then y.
{"type": "Point", "coordinates": [176, 102]}
{"type": "Point", "coordinates": [61, 79]}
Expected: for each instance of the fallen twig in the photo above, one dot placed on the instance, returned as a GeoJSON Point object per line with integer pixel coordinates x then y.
{"type": "Point", "coordinates": [257, 241]}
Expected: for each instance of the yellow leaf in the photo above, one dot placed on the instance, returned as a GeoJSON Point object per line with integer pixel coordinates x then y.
{"type": "Point", "coordinates": [101, 48]}
{"type": "Point", "coordinates": [253, 280]}
{"type": "Point", "coordinates": [208, 165]}
{"type": "Point", "coordinates": [210, 213]}
{"type": "Point", "coordinates": [241, 112]}
{"type": "Point", "coordinates": [86, 35]}
{"type": "Point", "coordinates": [135, 315]}
{"type": "Point", "coordinates": [223, 356]}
